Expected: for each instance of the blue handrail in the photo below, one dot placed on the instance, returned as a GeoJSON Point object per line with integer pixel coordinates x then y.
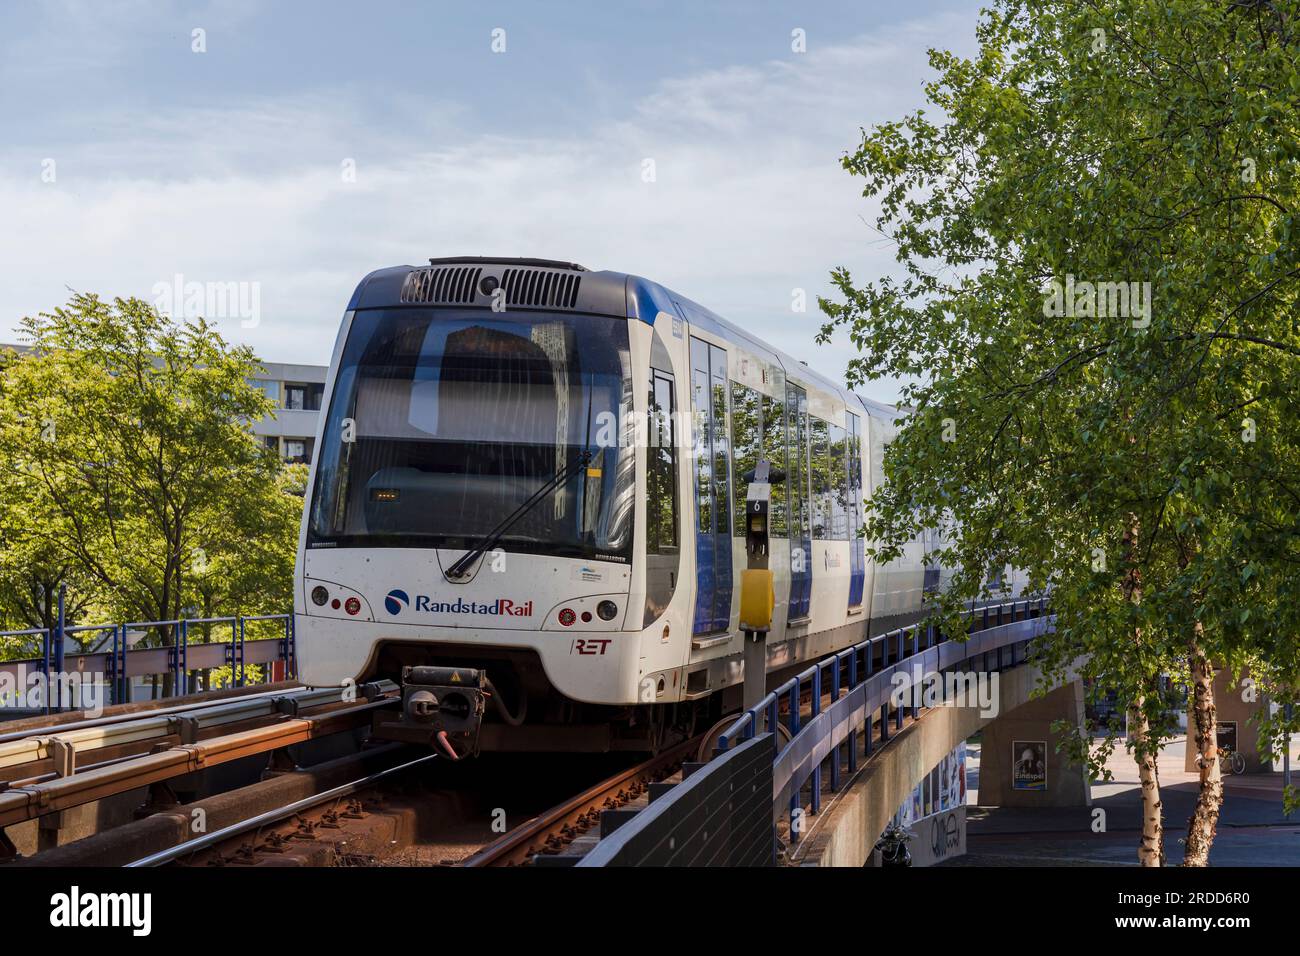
{"type": "Point", "coordinates": [115, 658]}
{"type": "Point", "coordinates": [746, 725]}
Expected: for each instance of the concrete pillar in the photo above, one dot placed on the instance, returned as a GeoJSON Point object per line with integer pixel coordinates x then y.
{"type": "Point", "coordinates": [1049, 780]}
{"type": "Point", "coordinates": [1230, 708]}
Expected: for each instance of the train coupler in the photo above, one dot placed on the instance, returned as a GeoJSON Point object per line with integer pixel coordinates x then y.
{"type": "Point", "coordinates": [441, 707]}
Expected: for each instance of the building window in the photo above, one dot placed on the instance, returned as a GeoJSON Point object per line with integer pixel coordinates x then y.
{"type": "Point", "coordinates": [303, 397]}
{"type": "Point", "coordinates": [298, 450]}
{"type": "Point", "coordinates": [270, 389]}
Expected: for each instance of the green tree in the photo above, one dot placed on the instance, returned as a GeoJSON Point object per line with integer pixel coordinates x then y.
{"type": "Point", "coordinates": [234, 576]}
{"type": "Point", "coordinates": [129, 458]}
{"type": "Point", "coordinates": [1096, 307]}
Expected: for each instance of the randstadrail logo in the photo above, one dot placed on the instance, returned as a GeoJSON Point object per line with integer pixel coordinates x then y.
{"type": "Point", "coordinates": [396, 600]}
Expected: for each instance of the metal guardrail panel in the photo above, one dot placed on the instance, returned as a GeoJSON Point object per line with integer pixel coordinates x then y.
{"type": "Point", "coordinates": [716, 817]}
{"type": "Point", "coordinates": [114, 661]}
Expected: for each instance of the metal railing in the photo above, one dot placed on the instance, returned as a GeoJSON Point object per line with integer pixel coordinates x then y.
{"type": "Point", "coordinates": [862, 684]}
{"type": "Point", "coordinates": [115, 657]}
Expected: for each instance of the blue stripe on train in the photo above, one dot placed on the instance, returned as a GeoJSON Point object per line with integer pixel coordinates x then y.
{"type": "Point", "coordinates": [857, 571]}
{"type": "Point", "coordinates": [703, 583]}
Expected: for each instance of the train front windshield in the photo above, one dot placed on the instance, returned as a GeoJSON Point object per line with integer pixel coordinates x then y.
{"type": "Point", "coordinates": [443, 423]}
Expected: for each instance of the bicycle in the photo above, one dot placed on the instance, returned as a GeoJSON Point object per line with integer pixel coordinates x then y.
{"type": "Point", "coordinates": [1231, 761]}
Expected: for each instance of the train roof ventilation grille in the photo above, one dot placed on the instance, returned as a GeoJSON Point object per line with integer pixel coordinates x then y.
{"type": "Point", "coordinates": [540, 288]}
{"type": "Point", "coordinates": [451, 285]}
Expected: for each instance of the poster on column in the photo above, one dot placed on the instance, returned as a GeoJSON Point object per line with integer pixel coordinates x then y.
{"type": "Point", "coordinates": [1029, 765]}
{"type": "Point", "coordinates": [1227, 735]}
{"type": "Point", "coordinates": [961, 774]}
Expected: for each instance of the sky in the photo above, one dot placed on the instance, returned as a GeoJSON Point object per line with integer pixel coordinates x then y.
{"type": "Point", "coordinates": [291, 148]}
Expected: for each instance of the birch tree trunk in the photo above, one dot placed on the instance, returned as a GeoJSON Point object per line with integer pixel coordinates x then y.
{"type": "Point", "coordinates": [1204, 822]}
{"type": "Point", "coordinates": [1151, 848]}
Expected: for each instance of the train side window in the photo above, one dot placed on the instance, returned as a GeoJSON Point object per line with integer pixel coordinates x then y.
{"type": "Point", "coordinates": [721, 440]}
{"type": "Point", "coordinates": [857, 558]}
{"type": "Point", "coordinates": [663, 545]}
{"type": "Point", "coordinates": [661, 468]}
{"type": "Point", "coordinates": [855, 476]}
{"type": "Point", "coordinates": [796, 410]}
{"type": "Point", "coordinates": [819, 472]}
{"type": "Point", "coordinates": [746, 441]}
{"type": "Point", "coordinates": [703, 435]}
{"type": "Point", "coordinates": [839, 479]}
{"type": "Point", "coordinates": [774, 451]}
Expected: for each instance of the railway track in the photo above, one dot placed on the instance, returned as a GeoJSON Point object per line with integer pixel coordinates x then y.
{"type": "Point", "coordinates": [78, 762]}
{"type": "Point", "coordinates": [400, 811]}
{"type": "Point", "coordinates": [381, 806]}
{"type": "Point", "coordinates": [371, 821]}
{"type": "Point", "coordinates": [298, 825]}
{"type": "Point", "coordinates": [557, 832]}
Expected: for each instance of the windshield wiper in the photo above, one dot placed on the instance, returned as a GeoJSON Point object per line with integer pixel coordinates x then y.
{"type": "Point", "coordinates": [461, 568]}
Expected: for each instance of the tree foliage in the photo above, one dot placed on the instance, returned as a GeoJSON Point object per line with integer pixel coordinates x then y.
{"type": "Point", "coordinates": [1100, 447]}
{"type": "Point", "coordinates": [131, 474]}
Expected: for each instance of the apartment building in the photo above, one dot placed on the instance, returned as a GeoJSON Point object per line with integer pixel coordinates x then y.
{"type": "Point", "coordinates": [297, 391]}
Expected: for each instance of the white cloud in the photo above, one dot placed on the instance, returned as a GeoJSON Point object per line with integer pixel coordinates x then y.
{"type": "Point", "coordinates": [749, 202]}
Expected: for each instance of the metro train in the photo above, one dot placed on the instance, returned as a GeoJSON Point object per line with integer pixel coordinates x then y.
{"type": "Point", "coordinates": [527, 506]}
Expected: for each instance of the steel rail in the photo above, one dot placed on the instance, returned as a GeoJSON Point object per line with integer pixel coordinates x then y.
{"type": "Point", "coordinates": [141, 729]}
{"type": "Point", "coordinates": [519, 845]}
{"type": "Point", "coordinates": [19, 804]}
{"type": "Point", "coordinates": [275, 816]}
{"type": "Point", "coordinates": [145, 709]}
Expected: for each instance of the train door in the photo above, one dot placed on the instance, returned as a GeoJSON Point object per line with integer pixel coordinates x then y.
{"type": "Point", "coordinates": [712, 488]}
{"type": "Point", "coordinates": [796, 410]}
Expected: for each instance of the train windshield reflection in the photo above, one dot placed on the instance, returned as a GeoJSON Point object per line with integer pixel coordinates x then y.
{"type": "Point", "coordinates": [443, 422]}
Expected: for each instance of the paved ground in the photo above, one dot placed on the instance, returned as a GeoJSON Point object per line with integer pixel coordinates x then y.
{"type": "Point", "coordinates": [1252, 830]}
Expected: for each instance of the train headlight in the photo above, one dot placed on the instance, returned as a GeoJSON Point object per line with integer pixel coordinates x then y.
{"type": "Point", "coordinates": [319, 595]}
{"type": "Point", "coordinates": [607, 610]}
